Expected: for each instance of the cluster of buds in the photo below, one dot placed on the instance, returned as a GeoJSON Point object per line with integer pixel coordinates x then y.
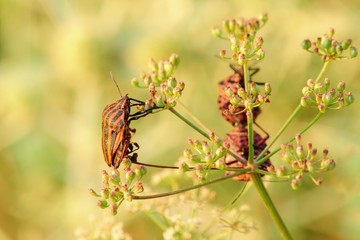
{"type": "Point", "coordinates": [208, 156]}
{"type": "Point", "coordinates": [303, 161]}
{"type": "Point", "coordinates": [330, 49]}
{"type": "Point", "coordinates": [250, 99]}
{"type": "Point", "coordinates": [116, 190]}
{"type": "Point", "coordinates": [163, 87]}
{"type": "Point", "coordinates": [245, 45]}
{"type": "Point", "coordinates": [322, 96]}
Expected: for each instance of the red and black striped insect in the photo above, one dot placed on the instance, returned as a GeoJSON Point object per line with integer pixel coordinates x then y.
{"type": "Point", "coordinates": [238, 141]}
{"type": "Point", "coordinates": [234, 81]}
{"type": "Point", "coordinates": [116, 131]}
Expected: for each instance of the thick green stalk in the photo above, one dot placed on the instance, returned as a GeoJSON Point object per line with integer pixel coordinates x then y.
{"type": "Point", "coordinates": [270, 206]}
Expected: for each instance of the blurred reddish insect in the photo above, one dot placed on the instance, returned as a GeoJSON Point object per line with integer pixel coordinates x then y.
{"type": "Point", "coordinates": [238, 141]}
{"type": "Point", "coordinates": [234, 81]}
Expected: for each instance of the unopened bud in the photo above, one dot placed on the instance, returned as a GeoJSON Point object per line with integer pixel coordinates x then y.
{"type": "Point", "coordinates": [306, 44]}
{"type": "Point", "coordinates": [328, 164]}
{"type": "Point", "coordinates": [346, 44]}
{"type": "Point", "coordinates": [140, 171]}
{"type": "Point", "coordinates": [353, 52]}
{"type": "Point", "coordinates": [222, 53]}
{"type": "Point", "coordinates": [184, 167]}
{"type": "Point", "coordinates": [349, 98]}
{"type": "Point", "coordinates": [174, 59]}
{"type": "Point", "coordinates": [103, 204]}
{"type": "Point", "coordinates": [92, 192]}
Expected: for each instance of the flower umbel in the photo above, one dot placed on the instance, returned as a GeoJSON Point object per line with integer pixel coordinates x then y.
{"type": "Point", "coordinates": [163, 87]}
{"type": "Point", "coordinates": [322, 96]}
{"type": "Point", "coordinates": [302, 160]}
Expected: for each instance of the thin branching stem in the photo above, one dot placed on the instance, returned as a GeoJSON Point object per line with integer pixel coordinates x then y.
{"type": "Point", "coordinates": [240, 172]}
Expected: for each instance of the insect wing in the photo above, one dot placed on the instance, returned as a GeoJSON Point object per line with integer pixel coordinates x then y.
{"type": "Point", "coordinates": [115, 128]}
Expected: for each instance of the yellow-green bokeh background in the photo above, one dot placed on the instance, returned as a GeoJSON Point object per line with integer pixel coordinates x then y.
{"type": "Point", "coordinates": [55, 59]}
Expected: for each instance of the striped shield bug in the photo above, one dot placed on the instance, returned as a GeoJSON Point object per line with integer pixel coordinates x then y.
{"type": "Point", "coordinates": [238, 141]}
{"type": "Point", "coordinates": [234, 81]}
{"type": "Point", "coordinates": [116, 131]}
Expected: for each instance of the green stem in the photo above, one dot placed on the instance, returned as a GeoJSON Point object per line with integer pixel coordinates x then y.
{"type": "Point", "coordinates": [270, 206]}
{"type": "Point", "coordinates": [240, 172]}
{"type": "Point", "coordinates": [237, 157]}
{"type": "Point", "coordinates": [320, 75]}
{"type": "Point", "coordinates": [313, 121]}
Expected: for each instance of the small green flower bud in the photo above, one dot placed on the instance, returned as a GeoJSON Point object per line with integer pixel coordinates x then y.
{"type": "Point", "coordinates": [321, 108]}
{"type": "Point", "coordinates": [153, 65]}
{"type": "Point", "coordinates": [281, 171]}
{"type": "Point", "coordinates": [220, 152]}
{"type": "Point", "coordinates": [296, 165]}
{"type": "Point", "coordinates": [331, 32]}
{"type": "Point", "coordinates": [267, 88]}
{"type": "Point", "coordinates": [258, 43]}
{"type": "Point", "coordinates": [171, 82]}
{"type": "Point", "coordinates": [305, 101]}
{"type": "Point", "coordinates": [326, 84]}
{"type": "Point", "coordinates": [318, 88]}
{"type": "Point", "coordinates": [260, 54]}
{"type": "Point", "coordinates": [346, 44]}
{"type": "Point", "coordinates": [181, 85]}
{"type": "Point", "coordinates": [113, 208]}
{"type": "Point", "coordinates": [295, 183]}
{"type": "Point", "coordinates": [310, 83]}
{"type": "Point", "coordinates": [138, 188]}
{"type": "Point", "coordinates": [129, 176]}
{"type": "Point", "coordinates": [150, 79]}
{"type": "Point", "coordinates": [328, 98]}
{"type": "Point", "coordinates": [188, 153]}
{"type": "Point", "coordinates": [241, 93]}
{"type": "Point", "coordinates": [169, 68]}
{"type": "Point", "coordinates": [135, 82]}
{"type": "Point", "coordinates": [353, 52]}
{"type": "Point", "coordinates": [310, 167]}
{"type": "Point", "coordinates": [229, 92]}
{"type": "Point", "coordinates": [325, 42]}
{"type": "Point", "coordinates": [316, 50]}
{"type": "Point", "coordinates": [174, 59]}
{"type": "Point", "coordinates": [127, 196]}
{"type": "Point", "coordinates": [105, 183]}
{"type": "Point", "coordinates": [226, 25]}
{"type": "Point", "coordinates": [339, 49]}
{"type": "Point", "coordinates": [220, 164]}
{"type": "Point", "coordinates": [92, 192]}
{"type": "Point", "coordinates": [349, 98]}
{"type": "Point", "coordinates": [306, 44]}
{"type": "Point", "coordinates": [241, 59]}
{"type": "Point", "coordinates": [254, 89]}
{"type": "Point", "coordinates": [290, 148]}
{"type": "Point", "coordinates": [105, 193]}
{"type": "Point", "coordinates": [216, 32]}
{"type": "Point", "coordinates": [212, 137]}
{"type": "Point", "coordinates": [222, 53]}
{"type": "Point", "coordinates": [208, 159]}
{"type": "Point", "coordinates": [341, 86]}
{"type": "Point", "coordinates": [184, 167]}
{"type": "Point", "coordinates": [195, 158]}
{"type": "Point", "coordinates": [235, 100]}
{"type": "Point", "coordinates": [140, 171]}
{"type": "Point", "coordinates": [205, 147]}
{"type": "Point", "coordinates": [115, 177]}
{"type": "Point", "coordinates": [328, 164]}
{"type": "Point", "coordinates": [104, 175]}
{"type": "Point", "coordinates": [318, 98]}
{"type": "Point", "coordinates": [198, 145]}
{"type": "Point", "coordinates": [103, 204]}
{"type": "Point", "coordinates": [263, 18]}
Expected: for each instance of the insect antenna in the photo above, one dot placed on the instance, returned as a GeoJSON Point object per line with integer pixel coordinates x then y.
{"type": "Point", "coordinates": [117, 86]}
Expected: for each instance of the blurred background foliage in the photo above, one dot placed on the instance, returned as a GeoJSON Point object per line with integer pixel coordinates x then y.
{"type": "Point", "coordinates": [55, 59]}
